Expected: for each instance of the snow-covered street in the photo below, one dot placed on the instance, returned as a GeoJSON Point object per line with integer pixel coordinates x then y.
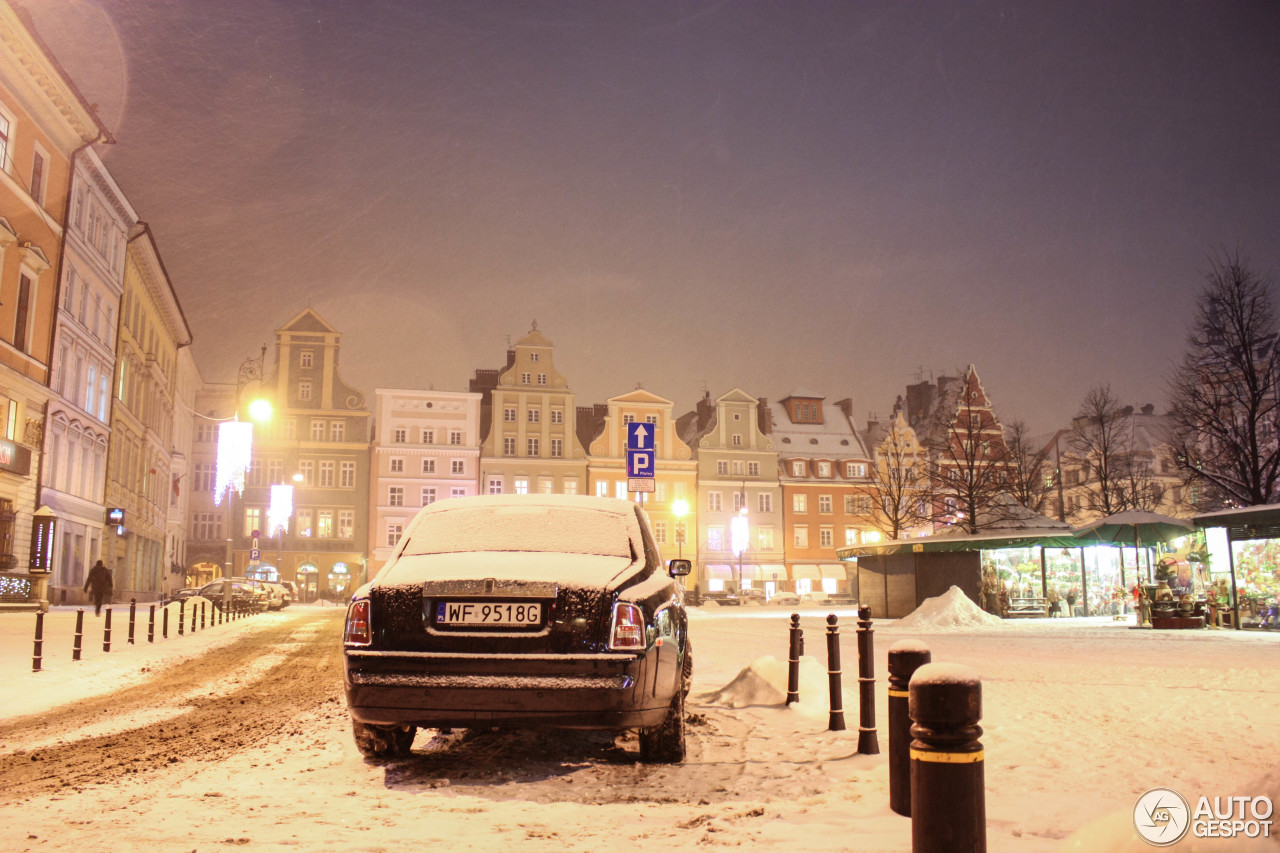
{"type": "Point", "coordinates": [1080, 718]}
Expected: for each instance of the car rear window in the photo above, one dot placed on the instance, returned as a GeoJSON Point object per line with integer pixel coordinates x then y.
{"type": "Point", "coordinates": [533, 529]}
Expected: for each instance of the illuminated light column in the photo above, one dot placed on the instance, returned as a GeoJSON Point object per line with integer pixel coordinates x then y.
{"type": "Point", "coordinates": [739, 534]}
{"type": "Point", "coordinates": [278, 515]}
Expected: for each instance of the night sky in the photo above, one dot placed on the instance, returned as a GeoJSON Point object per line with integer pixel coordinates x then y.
{"type": "Point", "coordinates": [838, 196]}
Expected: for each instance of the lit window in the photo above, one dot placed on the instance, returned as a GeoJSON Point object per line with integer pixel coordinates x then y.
{"type": "Point", "coordinates": [602, 489]}
{"type": "Point", "coordinates": [802, 537]}
{"type": "Point", "coordinates": [715, 538]}
{"type": "Point", "coordinates": [570, 485]}
{"type": "Point", "coordinates": [800, 503]}
{"type": "Point", "coordinates": [797, 468]}
{"type": "Point", "coordinates": [522, 485]}
{"type": "Point", "coordinates": [824, 469]}
{"type": "Point", "coordinates": [324, 524]}
{"type": "Point", "coordinates": [337, 431]}
{"type": "Point", "coordinates": [346, 524]}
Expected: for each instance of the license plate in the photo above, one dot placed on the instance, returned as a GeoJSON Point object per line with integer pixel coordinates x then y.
{"type": "Point", "coordinates": [493, 613]}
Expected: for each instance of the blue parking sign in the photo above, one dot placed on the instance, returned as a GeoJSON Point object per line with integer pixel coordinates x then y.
{"type": "Point", "coordinates": [640, 464]}
{"type": "Point", "coordinates": [640, 435]}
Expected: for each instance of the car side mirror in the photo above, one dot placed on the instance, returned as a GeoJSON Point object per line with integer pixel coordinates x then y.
{"type": "Point", "coordinates": [679, 568]}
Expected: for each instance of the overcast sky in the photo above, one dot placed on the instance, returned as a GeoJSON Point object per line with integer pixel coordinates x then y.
{"type": "Point", "coordinates": [837, 196]}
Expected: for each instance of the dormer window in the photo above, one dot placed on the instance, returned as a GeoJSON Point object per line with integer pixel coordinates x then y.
{"type": "Point", "coordinates": [797, 468]}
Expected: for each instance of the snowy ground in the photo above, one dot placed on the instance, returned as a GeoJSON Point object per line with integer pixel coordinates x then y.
{"type": "Point", "coordinates": [1080, 717]}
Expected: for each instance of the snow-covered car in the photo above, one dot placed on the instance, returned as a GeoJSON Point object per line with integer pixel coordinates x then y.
{"type": "Point", "coordinates": [280, 595]}
{"type": "Point", "coordinates": [752, 596]}
{"type": "Point", "coordinates": [785, 599]}
{"type": "Point", "coordinates": [246, 594]}
{"type": "Point", "coordinates": [522, 611]}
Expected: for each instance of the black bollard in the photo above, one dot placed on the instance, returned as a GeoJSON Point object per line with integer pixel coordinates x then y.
{"type": "Point", "coordinates": [79, 640]}
{"type": "Point", "coordinates": [106, 632]}
{"type": "Point", "coordinates": [905, 657]}
{"type": "Point", "coordinates": [193, 616]}
{"type": "Point", "coordinates": [164, 622]}
{"type": "Point", "coordinates": [37, 652]}
{"type": "Point", "coordinates": [182, 615]}
{"type": "Point", "coordinates": [793, 660]}
{"type": "Point", "coordinates": [868, 743]}
{"type": "Point", "coordinates": [836, 722]}
{"type": "Point", "coordinates": [151, 624]}
{"type": "Point", "coordinates": [133, 615]}
{"type": "Point", "coordinates": [202, 616]}
{"type": "Point", "coordinates": [948, 797]}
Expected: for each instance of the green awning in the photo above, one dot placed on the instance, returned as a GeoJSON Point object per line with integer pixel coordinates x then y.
{"type": "Point", "coordinates": [1030, 538]}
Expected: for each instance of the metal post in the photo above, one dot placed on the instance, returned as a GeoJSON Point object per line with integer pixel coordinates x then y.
{"type": "Point", "coordinates": [905, 657]}
{"type": "Point", "coordinates": [182, 615]}
{"type": "Point", "coordinates": [948, 796]}
{"type": "Point", "coordinates": [793, 660]}
{"type": "Point", "coordinates": [164, 623]}
{"type": "Point", "coordinates": [133, 614]}
{"type": "Point", "coordinates": [79, 640]}
{"type": "Point", "coordinates": [106, 632]}
{"type": "Point", "coordinates": [868, 743]}
{"type": "Point", "coordinates": [37, 651]}
{"type": "Point", "coordinates": [836, 721]}
{"type": "Point", "coordinates": [151, 624]}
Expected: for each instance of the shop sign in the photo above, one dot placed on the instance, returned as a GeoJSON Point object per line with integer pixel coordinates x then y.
{"type": "Point", "coordinates": [14, 458]}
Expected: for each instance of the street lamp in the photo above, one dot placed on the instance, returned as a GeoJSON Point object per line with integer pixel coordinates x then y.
{"type": "Point", "coordinates": [680, 508]}
{"type": "Point", "coordinates": [235, 456]}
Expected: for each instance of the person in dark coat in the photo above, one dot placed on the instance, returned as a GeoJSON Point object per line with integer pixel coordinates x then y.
{"type": "Point", "coordinates": [98, 585]}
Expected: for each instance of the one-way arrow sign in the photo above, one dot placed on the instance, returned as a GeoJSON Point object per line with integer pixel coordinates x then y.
{"type": "Point", "coordinates": [639, 436]}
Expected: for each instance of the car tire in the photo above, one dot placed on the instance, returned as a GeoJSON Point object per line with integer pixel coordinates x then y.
{"type": "Point", "coordinates": [383, 741]}
{"type": "Point", "coordinates": [687, 670]}
{"type": "Point", "coordinates": [665, 743]}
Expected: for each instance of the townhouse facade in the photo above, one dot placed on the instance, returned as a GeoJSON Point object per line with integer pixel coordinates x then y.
{"type": "Point", "coordinates": [426, 448]}
{"type": "Point", "coordinates": [824, 473]}
{"type": "Point", "coordinates": [739, 518]}
{"type": "Point", "coordinates": [672, 506]}
{"type": "Point", "coordinates": [78, 426]}
{"type": "Point", "coordinates": [528, 412]}
{"type": "Point", "coordinates": [45, 124]}
{"type": "Point", "coordinates": [145, 409]}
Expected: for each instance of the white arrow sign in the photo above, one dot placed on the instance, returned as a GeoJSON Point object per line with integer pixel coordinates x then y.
{"type": "Point", "coordinates": [639, 436]}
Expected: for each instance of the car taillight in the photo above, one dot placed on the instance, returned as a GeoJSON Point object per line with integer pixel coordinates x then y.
{"type": "Point", "coordinates": [628, 627]}
{"type": "Point", "coordinates": [358, 632]}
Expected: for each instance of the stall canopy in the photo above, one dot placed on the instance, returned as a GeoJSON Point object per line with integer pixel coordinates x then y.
{"type": "Point", "coordinates": [1251, 522]}
{"type": "Point", "coordinates": [1051, 537]}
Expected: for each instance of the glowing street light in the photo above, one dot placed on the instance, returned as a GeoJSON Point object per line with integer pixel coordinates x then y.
{"type": "Point", "coordinates": [739, 535]}
{"type": "Point", "coordinates": [680, 508]}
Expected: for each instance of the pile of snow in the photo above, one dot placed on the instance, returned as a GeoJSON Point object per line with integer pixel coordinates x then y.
{"type": "Point", "coordinates": [764, 682]}
{"type": "Point", "coordinates": [952, 609]}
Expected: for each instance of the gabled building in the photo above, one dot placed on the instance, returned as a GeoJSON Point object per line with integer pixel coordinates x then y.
{"type": "Point", "coordinates": [824, 473]}
{"type": "Point", "coordinates": [45, 124]}
{"type": "Point", "coordinates": [604, 431]}
{"type": "Point", "coordinates": [77, 433]}
{"type": "Point", "coordinates": [531, 444]}
{"type": "Point", "coordinates": [737, 479]}
{"type": "Point", "coordinates": [426, 448]}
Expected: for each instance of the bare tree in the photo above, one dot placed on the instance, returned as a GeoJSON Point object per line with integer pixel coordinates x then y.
{"type": "Point", "coordinates": [898, 492]}
{"type": "Point", "coordinates": [1031, 476]}
{"type": "Point", "coordinates": [1100, 442]}
{"type": "Point", "coordinates": [1225, 395]}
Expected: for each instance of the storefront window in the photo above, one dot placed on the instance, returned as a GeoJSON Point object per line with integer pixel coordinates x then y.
{"type": "Point", "coordinates": [1257, 564]}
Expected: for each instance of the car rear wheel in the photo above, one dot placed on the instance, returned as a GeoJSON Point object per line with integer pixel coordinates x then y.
{"type": "Point", "coordinates": [665, 744]}
{"type": "Point", "coordinates": [383, 741]}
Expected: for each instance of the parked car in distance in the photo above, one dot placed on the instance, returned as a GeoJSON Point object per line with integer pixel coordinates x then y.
{"type": "Point", "coordinates": [521, 611]}
{"type": "Point", "coordinates": [182, 594]}
{"type": "Point", "coordinates": [294, 593]}
{"type": "Point", "coordinates": [752, 596]}
{"type": "Point", "coordinates": [246, 594]}
{"type": "Point", "coordinates": [722, 597]}
{"type": "Point", "coordinates": [278, 596]}
{"type": "Point", "coordinates": [785, 599]}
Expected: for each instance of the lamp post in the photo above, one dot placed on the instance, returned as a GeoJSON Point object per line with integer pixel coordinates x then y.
{"type": "Point", "coordinates": [235, 456]}
{"type": "Point", "coordinates": [739, 531]}
{"type": "Point", "coordinates": [680, 508]}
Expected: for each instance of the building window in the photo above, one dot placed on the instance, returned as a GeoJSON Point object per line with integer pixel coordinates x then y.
{"type": "Point", "coordinates": [22, 311]}
{"type": "Point", "coordinates": [393, 534]}
{"type": "Point", "coordinates": [737, 441]}
{"type": "Point", "coordinates": [509, 445]}
{"type": "Point", "coordinates": [826, 537]}
{"type": "Point", "coordinates": [660, 492]}
{"type": "Point", "coordinates": [848, 505]}
{"type": "Point", "coordinates": [347, 472]}
{"type": "Point", "coordinates": [722, 467]}
{"type": "Point", "coordinates": [397, 465]}
{"type": "Point", "coordinates": [533, 356]}
{"type": "Point", "coordinates": [602, 489]}
{"type": "Point", "coordinates": [522, 485]}
{"type": "Point", "coordinates": [275, 472]}
{"type": "Point", "coordinates": [457, 466]}
{"type": "Point", "coordinates": [317, 430]}
{"type": "Point", "coordinates": [533, 447]}
{"type": "Point", "coordinates": [800, 503]}
{"type": "Point", "coordinates": [855, 469]}
{"type": "Point", "coordinates": [739, 501]}
{"type": "Point", "coordinates": [324, 524]}
{"type": "Point", "coordinates": [288, 429]}
{"type": "Point", "coordinates": [428, 436]}
{"type": "Point", "coordinates": [824, 504]}
{"type": "Point", "coordinates": [797, 468]}
{"type": "Point", "coordinates": [509, 414]}
{"type": "Point", "coordinates": [455, 436]}
{"type": "Point", "coordinates": [557, 447]}
{"type": "Point", "coordinates": [660, 532]}
{"type": "Point", "coordinates": [850, 536]}
{"type": "Point", "coordinates": [428, 466]}
{"type": "Point", "coordinates": [37, 176]}
{"type": "Point", "coordinates": [620, 490]}
{"type": "Point", "coordinates": [252, 519]}
{"type": "Point", "coordinates": [753, 469]}
{"type": "Point", "coordinates": [337, 431]}
{"type": "Point", "coordinates": [557, 416]}
{"type": "Point", "coordinates": [715, 538]}
{"type": "Point", "coordinates": [303, 517]}
{"type": "Point", "coordinates": [326, 474]}
{"type": "Point", "coordinates": [428, 495]}
{"type": "Point", "coordinates": [824, 469]}
{"type": "Point", "coordinates": [5, 126]}
{"type": "Point", "coordinates": [304, 358]}
{"type": "Point", "coordinates": [534, 415]}
{"type": "Point", "coordinates": [628, 419]}
{"type": "Point", "coordinates": [395, 496]}
{"type": "Point", "coordinates": [346, 524]}
{"type": "Point", "coordinates": [713, 502]}
{"type": "Point", "coordinates": [764, 536]}
{"type": "Point", "coordinates": [651, 419]}
{"type": "Point", "coordinates": [570, 485]}
{"type": "Point", "coordinates": [864, 504]}
{"type": "Point", "coordinates": [304, 390]}
{"type": "Point", "coordinates": [206, 525]}
{"type": "Point", "coordinates": [307, 469]}
{"type": "Point", "coordinates": [547, 486]}
{"type": "Point", "coordinates": [400, 435]}
{"type": "Point", "coordinates": [495, 486]}
{"type": "Point", "coordinates": [802, 537]}
{"type": "Point", "coordinates": [524, 378]}
{"type": "Point", "coordinates": [458, 492]}
{"type": "Point", "coordinates": [542, 379]}
{"type": "Point", "coordinates": [737, 467]}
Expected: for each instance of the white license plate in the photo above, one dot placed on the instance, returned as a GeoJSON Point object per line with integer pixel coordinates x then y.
{"type": "Point", "coordinates": [498, 613]}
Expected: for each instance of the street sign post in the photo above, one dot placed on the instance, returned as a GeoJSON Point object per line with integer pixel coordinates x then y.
{"type": "Point", "coordinates": [640, 456]}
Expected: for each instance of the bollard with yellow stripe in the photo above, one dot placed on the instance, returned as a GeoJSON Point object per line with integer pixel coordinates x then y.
{"type": "Point", "coordinates": [905, 657]}
{"type": "Point", "coordinates": [948, 794]}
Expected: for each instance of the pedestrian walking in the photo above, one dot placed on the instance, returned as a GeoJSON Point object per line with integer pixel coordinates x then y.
{"type": "Point", "coordinates": [98, 585]}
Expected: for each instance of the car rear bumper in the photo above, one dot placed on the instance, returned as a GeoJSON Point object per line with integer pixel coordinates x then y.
{"type": "Point", "coordinates": [589, 691]}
